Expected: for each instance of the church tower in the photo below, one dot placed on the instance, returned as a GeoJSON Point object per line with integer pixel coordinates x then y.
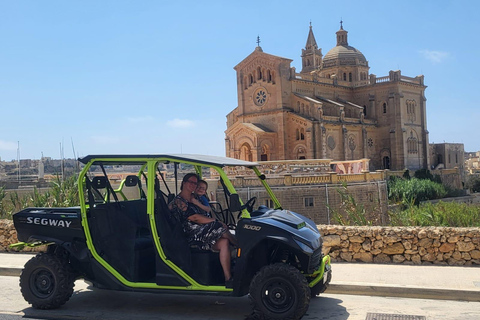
{"type": "Point", "coordinates": [311, 55]}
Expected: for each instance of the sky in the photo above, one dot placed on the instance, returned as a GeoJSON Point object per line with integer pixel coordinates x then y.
{"type": "Point", "coordinates": [122, 77]}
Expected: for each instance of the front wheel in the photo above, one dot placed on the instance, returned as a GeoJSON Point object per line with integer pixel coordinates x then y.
{"type": "Point", "coordinates": [279, 291]}
{"type": "Point", "coordinates": [46, 281]}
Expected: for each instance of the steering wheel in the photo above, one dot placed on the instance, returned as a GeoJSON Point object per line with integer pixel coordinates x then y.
{"type": "Point", "coordinates": [248, 205]}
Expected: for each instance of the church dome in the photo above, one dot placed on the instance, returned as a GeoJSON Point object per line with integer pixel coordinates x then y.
{"type": "Point", "coordinates": [343, 54]}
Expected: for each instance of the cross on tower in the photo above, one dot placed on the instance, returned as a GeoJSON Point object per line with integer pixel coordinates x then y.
{"type": "Point", "coordinates": [258, 41]}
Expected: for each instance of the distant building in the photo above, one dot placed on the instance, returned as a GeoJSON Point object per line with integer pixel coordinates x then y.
{"type": "Point", "coordinates": [447, 156]}
{"type": "Point", "coordinates": [333, 109]}
{"type": "Point", "coordinates": [472, 162]}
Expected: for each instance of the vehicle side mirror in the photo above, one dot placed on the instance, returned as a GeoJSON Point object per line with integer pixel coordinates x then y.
{"type": "Point", "coordinates": [235, 203]}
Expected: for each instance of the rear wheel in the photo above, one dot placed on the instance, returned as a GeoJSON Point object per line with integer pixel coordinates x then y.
{"type": "Point", "coordinates": [279, 291]}
{"type": "Point", "coordinates": [47, 281]}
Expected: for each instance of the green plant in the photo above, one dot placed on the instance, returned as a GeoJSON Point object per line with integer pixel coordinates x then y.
{"type": "Point", "coordinates": [351, 213]}
{"type": "Point", "coordinates": [441, 214]}
{"type": "Point", "coordinates": [64, 193]}
{"type": "Point", "coordinates": [473, 183]}
{"type": "Point", "coordinates": [38, 199]}
{"type": "Point", "coordinates": [414, 190]}
{"type": "Point", "coordinates": [4, 212]}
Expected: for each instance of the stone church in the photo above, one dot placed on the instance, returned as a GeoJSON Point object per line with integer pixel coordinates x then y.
{"type": "Point", "coordinates": [333, 109]}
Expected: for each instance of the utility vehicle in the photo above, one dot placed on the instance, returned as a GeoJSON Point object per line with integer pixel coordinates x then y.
{"type": "Point", "coordinates": [123, 237]}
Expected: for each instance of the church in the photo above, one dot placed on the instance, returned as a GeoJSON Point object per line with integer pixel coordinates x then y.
{"type": "Point", "coordinates": [332, 109]}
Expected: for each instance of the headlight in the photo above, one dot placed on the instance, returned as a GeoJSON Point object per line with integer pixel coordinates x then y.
{"type": "Point", "coordinates": [303, 246]}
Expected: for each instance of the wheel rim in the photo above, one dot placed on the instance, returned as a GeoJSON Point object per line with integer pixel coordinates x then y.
{"type": "Point", "coordinates": [42, 283]}
{"type": "Point", "coordinates": [278, 295]}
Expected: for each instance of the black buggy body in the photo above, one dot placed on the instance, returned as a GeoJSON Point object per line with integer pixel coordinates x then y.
{"type": "Point", "coordinates": [123, 237]}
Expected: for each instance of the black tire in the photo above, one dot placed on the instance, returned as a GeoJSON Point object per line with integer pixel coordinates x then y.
{"type": "Point", "coordinates": [321, 287]}
{"type": "Point", "coordinates": [279, 291]}
{"type": "Point", "coordinates": [47, 281]}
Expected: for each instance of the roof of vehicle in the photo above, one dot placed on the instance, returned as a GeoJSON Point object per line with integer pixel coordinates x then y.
{"type": "Point", "coordinates": [197, 158]}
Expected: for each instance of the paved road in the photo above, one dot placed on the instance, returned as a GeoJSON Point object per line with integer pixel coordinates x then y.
{"type": "Point", "coordinates": [101, 304]}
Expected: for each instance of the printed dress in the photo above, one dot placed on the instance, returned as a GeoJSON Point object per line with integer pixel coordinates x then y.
{"type": "Point", "coordinates": [202, 235]}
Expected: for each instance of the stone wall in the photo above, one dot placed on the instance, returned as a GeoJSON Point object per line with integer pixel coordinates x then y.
{"type": "Point", "coordinates": [400, 245]}
{"type": "Point", "coordinates": [8, 236]}
{"type": "Point", "coordinates": [403, 245]}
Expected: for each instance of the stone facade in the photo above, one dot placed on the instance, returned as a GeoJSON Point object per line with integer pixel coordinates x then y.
{"type": "Point", "coordinates": [413, 245]}
{"type": "Point", "coordinates": [332, 109]}
{"type": "Point", "coordinates": [405, 245]}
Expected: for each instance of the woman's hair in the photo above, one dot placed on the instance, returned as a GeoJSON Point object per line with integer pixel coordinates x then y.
{"type": "Point", "coordinates": [188, 176]}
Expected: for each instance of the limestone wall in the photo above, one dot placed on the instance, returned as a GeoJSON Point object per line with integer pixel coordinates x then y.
{"type": "Point", "coordinates": [404, 245]}
{"type": "Point", "coordinates": [8, 236]}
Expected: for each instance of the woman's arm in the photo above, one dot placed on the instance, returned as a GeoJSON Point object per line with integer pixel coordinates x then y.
{"type": "Point", "coordinates": [200, 218]}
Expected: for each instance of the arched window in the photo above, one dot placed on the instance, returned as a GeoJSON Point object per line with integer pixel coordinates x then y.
{"type": "Point", "coordinates": [301, 154]}
{"type": "Point", "coordinates": [386, 162]}
{"type": "Point", "coordinates": [344, 76]}
{"type": "Point", "coordinates": [384, 107]}
{"type": "Point", "coordinates": [350, 78]}
{"type": "Point", "coordinates": [264, 155]}
{"type": "Point", "coordinates": [273, 77]}
{"type": "Point", "coordinates": [412, 144]}
{"type": "Point", "coordinates": [259, 71]}
{"type": "Point", "coordinates": [302, 134]}
{"type": "Point", "coordinates": [246, 152]}
{"type": "Point", "coordinates": [365, 110]}
{"type": "Point", "coordinates": [251, 79]}
{"type": "Point", "coordinates": [269, 76]}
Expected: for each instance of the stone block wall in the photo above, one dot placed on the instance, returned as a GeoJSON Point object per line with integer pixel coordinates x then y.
{"type": "Point", "coordinates": [8, 236]}
{"type": "Point", "coordinates": [402, 245]}
{"type": "Point", "coordinates": [398, 245]}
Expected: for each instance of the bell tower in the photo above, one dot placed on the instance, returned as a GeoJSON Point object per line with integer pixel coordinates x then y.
{"type": "Point", "coordinates": [311, 55]}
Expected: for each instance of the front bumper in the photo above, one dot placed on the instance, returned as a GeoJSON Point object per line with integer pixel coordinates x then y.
{"type": "Point", "coordinates": [323, 273]}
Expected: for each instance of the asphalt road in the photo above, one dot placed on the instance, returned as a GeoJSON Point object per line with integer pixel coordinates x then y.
{"type": "Point", "coordinates": [101, 304]}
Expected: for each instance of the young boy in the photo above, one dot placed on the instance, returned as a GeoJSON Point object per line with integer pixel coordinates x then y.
{"type": "Point", "coordinates": [201, 196]}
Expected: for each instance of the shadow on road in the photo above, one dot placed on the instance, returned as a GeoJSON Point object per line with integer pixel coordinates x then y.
{"type": "Point", "coordinates": [105, 304]}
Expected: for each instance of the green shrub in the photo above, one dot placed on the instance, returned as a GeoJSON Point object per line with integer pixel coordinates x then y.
{"type": "Point", "coordinates": [442, 214]}
{"type": "Point", "coordinates": [62, 193]}
{"type": "Point", "coordinates": [414, 190]}
{"type": "Point", "coordinates": [473, 183]}
{"type": "Point", "coordinates": [351, 213]}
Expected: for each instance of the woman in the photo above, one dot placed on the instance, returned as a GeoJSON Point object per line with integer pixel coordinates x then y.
{"type": "Point", "coordinates": [212, 234]}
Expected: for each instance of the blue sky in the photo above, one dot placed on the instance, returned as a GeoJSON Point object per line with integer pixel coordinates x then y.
{"type": "Point", "coordinates": [157, 76]}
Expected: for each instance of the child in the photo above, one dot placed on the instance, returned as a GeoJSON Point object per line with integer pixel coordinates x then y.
{"type": "Point", "coordinates": [201, 195]}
